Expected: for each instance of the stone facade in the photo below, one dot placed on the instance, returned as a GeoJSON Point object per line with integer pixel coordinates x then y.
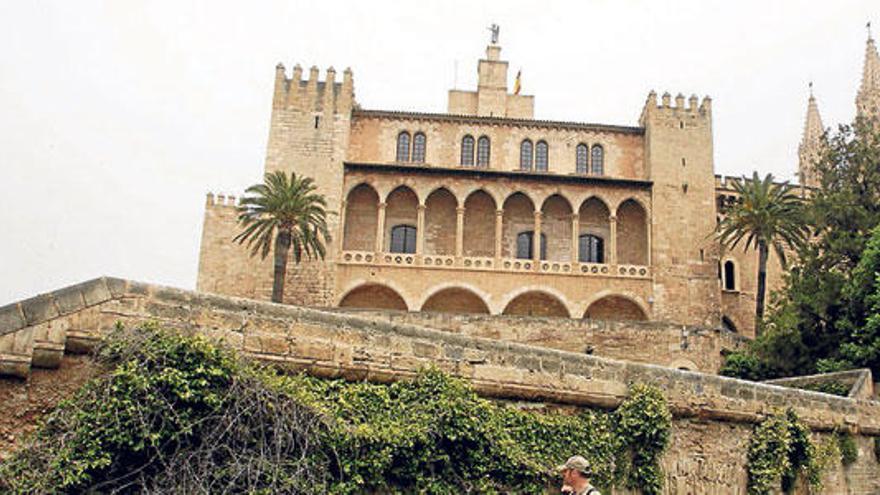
{"type": "Point", "coordinates": [624, 215]}
{"type": "Point", "coordinates": [713, 416]}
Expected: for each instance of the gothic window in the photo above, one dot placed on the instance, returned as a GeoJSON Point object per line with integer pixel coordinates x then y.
{"type": "Point", "coordinates": [418, 151]}
{"type": "Point", "coordinates": [467, 151]}
{"type": "Point", "coordinates": [403, 147]}
{"type": "Point", "coordinates": [525, 155]}
{"type": "Point", "coordinates": [483, 152]}
{"type": "Point", "coordinates": [581, 157]}
{"type": "Point", "coordinates": [541, 152]}
{"type": "Point", "coordinates": [403, 239]}
{"type": "Point", "coordinates": [591, 249]}
{"type": "Point", "coordinates": [729, 275]}
{"type": "Point", "coordinates": [524, 247]}
{"type": "Point", "coordinates": [598, 160]}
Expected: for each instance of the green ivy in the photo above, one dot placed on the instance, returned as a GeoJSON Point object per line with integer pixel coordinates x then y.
{"type": "Point", "coordinates": [780, 451]}
{"type": "Point", "coordinates": [877, 449]}
{"type": "Point", "coordinates": [175, 413]}
{"type": "Point", "coordinates": [829, 387]}
{"type": "Point", "coordinates": [849, 452]}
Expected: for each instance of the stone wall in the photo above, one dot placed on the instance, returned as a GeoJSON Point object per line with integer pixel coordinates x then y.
{"type": "Point", "coordinates": [713, 414]}
{"type": "Point", "coordinates": [664, 344]}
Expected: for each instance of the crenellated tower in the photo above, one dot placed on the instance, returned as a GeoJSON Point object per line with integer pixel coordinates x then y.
{"type": "Point", "coordinates": [868, 97]}
{"type": "Point", "coordinates": [679, 162]}
{"type": "Point", "coordinates": [811, 144]}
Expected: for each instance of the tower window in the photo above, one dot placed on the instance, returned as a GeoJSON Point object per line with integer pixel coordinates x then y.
{"type": "Point", "coordinates": [419, 144]}
{"type": "Point", "coordinates": [467, 151]}
{"type": "Point", "coordinates": [541, 153]}
{"type": "Point", "coordinates": [403, 239]}
{"type": "Point", "coordinates": [591, 249]}
{"type": "Point", "coordinates": [525, 155]}
{"type": "Point", "coordinates": [483, 152]}
{"type": "Point", "coordinates": [524, 245]}
{"type": "Point", "coordinates": [403, 147]}
{"type": "Point", "coordinates": [598, 159]}
{"type": "Point", "coordinates": [581, 157]}
{"type": "Point", "coordinates": [729, 275]}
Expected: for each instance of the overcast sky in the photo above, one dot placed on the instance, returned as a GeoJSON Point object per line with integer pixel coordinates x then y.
{"type": "Point", "coordinates": [117, 117]}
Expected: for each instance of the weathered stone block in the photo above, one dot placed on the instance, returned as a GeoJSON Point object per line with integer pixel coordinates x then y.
{"type": "Point", "coordinates": [11, 318]}
{"type": "Point", "coordinates": [39, 309]}
{"type": "Point", "coordinates": [95, 292]}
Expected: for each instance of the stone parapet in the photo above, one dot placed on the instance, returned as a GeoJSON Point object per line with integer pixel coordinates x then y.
{"type": "Point", "coordinates": [341, 345]}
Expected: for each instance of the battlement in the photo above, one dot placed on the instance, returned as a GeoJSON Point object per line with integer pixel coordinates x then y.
{"type": "Point", "coordinates": [691, 107]}
{"type": "Point", "coordinates": [312, 94]}
{"type": "Point", "coordinates": [221, 200]}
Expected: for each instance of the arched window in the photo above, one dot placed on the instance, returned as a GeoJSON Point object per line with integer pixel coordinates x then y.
{"type": "Point", "coordinates": [591, 249]}
{"type": "Point", "coordinates": [418, 152]}
{"type": "Point", "coordinates": [582, 155]}
{"type": "Point", "coordinates": [524, 247]}
{"type": "Point", "coordinates": [598, 160]}
{"type": "Point", "coordinates": [403, 147]}
{"type": "Point", "coordinates": [483, 152]}
{"type": "Point", "coordinates": [541, 156]}
{"type": "Point", "coordinates": [467, 151]}
{"type": "Point", "coordinates": [403, 239]}
{"type": "Point", "coordinates": [525, 155]}
{"type": "Point", "coordinates": [729, 275]}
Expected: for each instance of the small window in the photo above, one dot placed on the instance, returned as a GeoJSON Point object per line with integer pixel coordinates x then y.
{"type": "Point", "coordinates": [729, 275]}
{"type": "Point", "coordinates": [403, 147]}
{"type": "Point", "coordinates": [581, 157]}
{"type": "Point", "coordinates": [467, 151]}
{"type": "Point", "coordinates": [524, 245]}
{"type": "Point", "coordinates": [418, 152]}
{"type": "Point", "coordinates": [403, 239]}
{"type": "Point", "coordinates": [483, 152]}
{"type": "Point", "coordinates": [591, 249]}
{"type": "Point", "coordinates": [598, 159]}
{"type": "Point", "coordinates": [541, 152]}
{"type": "Point", "coordinates": [525, 155]}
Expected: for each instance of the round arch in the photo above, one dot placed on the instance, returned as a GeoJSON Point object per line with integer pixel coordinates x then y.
{"type": "Point", "coordinates": [536, 302]}
{"type": "Point", "coordinates": [684, 365]}
{"type": "Point", "coordinates": [616, 307]}
{"type": "Point", "coordinates": [455, 299]}
{"type": "Point", "coordinates": [372, 295]}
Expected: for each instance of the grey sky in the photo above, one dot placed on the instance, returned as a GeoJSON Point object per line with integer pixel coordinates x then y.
{"type": "Point", "coordinates": [117, 117]}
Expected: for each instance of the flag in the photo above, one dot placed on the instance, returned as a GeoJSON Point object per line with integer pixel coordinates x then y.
{"type": "Point", "coordinates": [517, 84]}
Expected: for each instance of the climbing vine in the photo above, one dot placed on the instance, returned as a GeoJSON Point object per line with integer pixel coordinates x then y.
{"type": "Point", "coordinates": [849, 453]}
{"type": "Point", "coordinates": [780, 451]}
{"type": "Point", "coordinates": [178, 414]}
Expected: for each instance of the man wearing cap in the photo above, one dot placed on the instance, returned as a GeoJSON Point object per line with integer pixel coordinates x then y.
{"type": "Point", "coordinates": [576, 477]}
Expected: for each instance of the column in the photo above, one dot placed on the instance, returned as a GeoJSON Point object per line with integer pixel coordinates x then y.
{"type": "Point", "coordinates": [536, 239]}
{"type": "Point", "coordinates": [341, 231]}
{"type": "Point", "coordinates": [575, 236]}
{"type": "Point", "coordinates": [612, 244]}
{"type": "Point", "coordinates": [499, 232]}
{"type": "Point", "coordinates": [380, 228]}
{"type": "Point", "coordinates": [420, 231]}
{"type": "Point", "coordinates": [459, 232]}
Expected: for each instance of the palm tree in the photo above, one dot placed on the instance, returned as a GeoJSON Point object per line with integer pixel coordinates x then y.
{"type": "Point", "coordinates": [288, 210]}
{"type": "Point", "coordinates": [766, 215]}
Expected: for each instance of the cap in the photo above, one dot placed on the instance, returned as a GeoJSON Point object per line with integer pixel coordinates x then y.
{"type": "Point", "coordinates": [578, 463]}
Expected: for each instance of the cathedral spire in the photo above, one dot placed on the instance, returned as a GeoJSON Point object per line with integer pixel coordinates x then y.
{"type": "Point", "coordinates": [811, 144]}
{"type": "Point", "coordinates": [868, 98]}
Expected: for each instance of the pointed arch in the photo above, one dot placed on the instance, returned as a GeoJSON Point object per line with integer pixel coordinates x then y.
{"type": "Point", "coordinates": [518, 217]}
{"type": "Point", "coordinates": [361, 216]}
{"type": "Point", "coordinates": [632, 233]}
{"type": "Point", "coordinates": [440, 222]}
{"type": "Point", "coordinates": [479, 224]}
{"type": "Point", "coordinates": [403, 147]}
{"type": "Point", "coordinates": [401, 217]}
{"type": "Point", "coordinates": [556, 226]}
